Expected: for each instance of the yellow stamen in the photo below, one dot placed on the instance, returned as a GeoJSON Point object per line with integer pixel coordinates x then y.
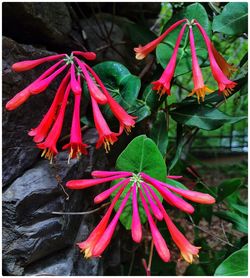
{"type": "Point", "coordinates": [48, 154]}
{"type": "Point", "coordinates": [201, 93]}
{"type": "Point", "coordinates": [87, 253]}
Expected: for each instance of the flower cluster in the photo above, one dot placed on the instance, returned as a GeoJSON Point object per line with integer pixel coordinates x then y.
{"type": "Point", "coordinates": [146, 189]}
{"type": "Point", "coordinates": [221, 70]}
{"type": "Point", "coordinates": [47, 133]}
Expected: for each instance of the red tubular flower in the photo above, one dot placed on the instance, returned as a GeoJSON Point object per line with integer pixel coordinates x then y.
{"type": "Point", "coordinates": [105, 194]}
{"type": "Point", "coordinates": [136, 228]}
{"type": "Point", "coordinates": [224, 66]}
{"type": "Point", "coordinates": [22, 96]}
{"type": "Point", "coordinates": [156, 211]}
{"type": "Point", "coordinates": [88, 245]}
{"type": "Point", "coordinates": [194, 196]}
{"type": "Point", "coordinates": [168, 196]}
{"type": "Point", "coordinates": [199, 88]}
{"type": "Point", "coordinates": [101, 236]}
{"type": "Point", "coordinates": [164, 83]}
{"type": "Point", "coordinates": [75, 84]}
{"type": "Point", "coordinates": [104, 174]}
{"type": "Point", "coordinates": [225, 85]}
{"type": "Point", "coordinates": [106, 136]}
{"type": "Point", "coordinates": [95, 92]}
{"type": "Point", "coordinates": [81, 184]}
{"type": "Point", "coordinates": [76, 146]}
{"type": "Point", "coordinates": [159, 242]}
{"type": "Point", "coordinates": [104, 240]}
{"type": "Point", "coordinates": [30, 64]}
{"type": "Point", "coordinates": [86, 55]}
{"type": "Point", "coordinates": [49, 145]}
{"type": "Point", "coordinates": [41, 131]}
{"type": "Point", "coordinates": [126, 121]}
{"type": "Point", "coordinates": [186, 248]}
{"type": "Point", "coordinates": [142, 51]}
{"type": "Point", "coordinates": [42, 85]}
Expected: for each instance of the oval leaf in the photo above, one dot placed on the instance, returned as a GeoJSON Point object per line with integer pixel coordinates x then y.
{"type": "Point", "coordinates": [202, 116]}
{"type": "Point", "coordinates": [141, 155]}
{"type": "Point", "coordinates": [232, 20]}
{"type": "Point", "coordinates": [234, 265]}
{"type": "Point", "coordinates": [228, 187]}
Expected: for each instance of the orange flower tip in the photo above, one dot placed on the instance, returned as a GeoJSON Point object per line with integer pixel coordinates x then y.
{"type": "Point", "coordinates": [201, 93]}
{"type": "Point", "coordinates": [139, 54]}
{"type": "Point", "coordinates": [49, 154]}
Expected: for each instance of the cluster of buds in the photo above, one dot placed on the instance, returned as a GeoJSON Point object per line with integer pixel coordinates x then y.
{"type": "Point", "coordinates": [147, 189]}
{"type": "Point", "coordinates": [47, 133]}
{"type": "Point", "coordinates": [221, 70]}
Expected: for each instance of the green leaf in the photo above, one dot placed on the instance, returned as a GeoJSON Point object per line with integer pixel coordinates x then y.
{"type": "Point", "coordinates": [124, 88]}
{"type": "Point", "coordinates": [227, 187]}
{"type": "Point", "coordinates": [232, 20]}
{"type": "Point", "coordinates": [141, 155]}
{"type": "Point", "coordinates": [164, 50]}
{"type": "Point", "coordinates": [151, 98]}
{"type": "Point", "coordinates": [176, 184]}
{"type": "Point", "coordinates": [195, 270]}
{"type": "Point", "coordinates": [202, 116]}
{"type": "Point", "coordinates": [240, 208]}
{"type": "Point", "coordinates": [235, 265]}
{"type": "Point", "coordinates": [159, 132]}
{"type": "Point", "coordinates": [239, 222]}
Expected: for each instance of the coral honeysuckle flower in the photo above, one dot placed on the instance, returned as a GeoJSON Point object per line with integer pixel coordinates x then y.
{"type": "Point", "coordinates": [225, 85]}
{"type": "Point", "coordinates": [88, 245]}
{"type": "Point", "coordinates": [163, 85]}
{"type": "Point", "coordinates": [142, 51]}
{"type": "Point", "coordinates": [144, 187]}
{"type": "Point", "coordinates": [40, 132]}
{"type": "Point", "coordinates": [95, 92]}
{"type": "Point", "coordinates": [136, 228]}
{"type": "Point", "coordinates": [226, 68]}
{"type": "Point", "coordinates": [200, 89]}
{"type": "Point", "coordinates": [22, 96]}
{"type": "Point", "coordinates": [49, 145]}
{"type": "Point", "coordinates": [187, 249]}
{"type": "Point", "coordinates": [30, 64]}
{"type": "Point", "coordinates": [76, 146]}
{"type": "Point", "coordinates": [126, 121]}
{"type": "Point", "coordinates": [106, 136]}
{"type": "Point", "coordinates": [77, 70]}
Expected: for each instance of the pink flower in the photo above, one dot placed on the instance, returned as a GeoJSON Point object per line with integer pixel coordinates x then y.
{"type": "Point", "coordinates": [159, 242]}
{"type": "Point", "coordinates": [30, 64]}
{"type": "Point", "coordinates": [142, 51]}
{"type": "Point", "coordinates": [95, 92]}
{"type": "Point", "coordinates": [225, 85]}
{"type": "Point", "coordinates": [40, 132]}
{"type": "Point", "coordinates": [199, 88]}
{"type": "Point", "coordinates": [49, 145]}
{"type": "Point", "coordinates": [22, 96]}
{"type": "Point", "coordinates": [126, 121]}
{"type": "Point", "coordinates": [86, 55]}
{"type": "Point", "coordinates": [104, 240]}
{"type": "Point", "coordinates": [163, 85]}
{"type": "Point", "coordinates": [140, 184]}
{"type": "Point", "coordinates": [136, 228]}
{"type": "Point", "coordinates": [88, 245]}
{"type": "Point", "coordinates": [75, 84]}
{"type": "Point", "coordinates": [106, 136]}
{"type": "Point", "coordinates": [76, 146]}
{"type": "Point", "coordinates": [81, 184]}
{"type": "Point", "coordinates": [222, 63]}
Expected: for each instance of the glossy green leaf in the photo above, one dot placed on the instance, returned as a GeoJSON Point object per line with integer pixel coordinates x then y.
{"type": "Point", "coordinates": [235, 265]}
{"type": "Point", "coordinates": [164, 50]}
{"type": "Point", "coordinates": [227, 187]}
{"type": "Point", "coordinates": [151, 98]}
{"type": "Point", "coordinates": [141, 155]}
{"type": "Point", "coordinates": [240, 208]}
{"type": "Point", "coordinates": [232, 20]}
{"type": "Point", "coordinates": [202, 116]}
{"type": "Point", "coordinates": [159, 132]}
{"type": "Point", "coordinates": [239, 222]}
